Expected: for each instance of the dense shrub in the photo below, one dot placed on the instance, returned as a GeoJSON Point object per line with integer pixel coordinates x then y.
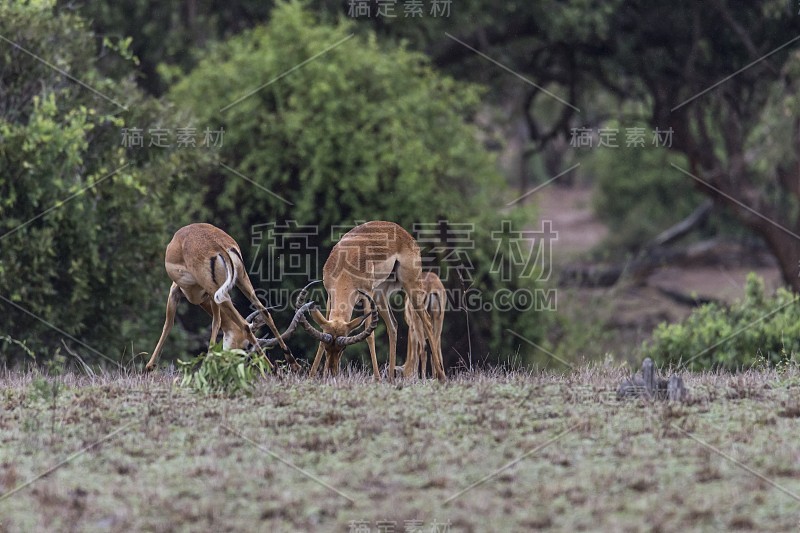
{"type": "Point", "coordinates": [83, 220]}
{"type": "Point", "coordinates": [363, 132]}
{"type": "Point", "coordinates": [758, 328]}
{"type": "Point", "coordinates": [638, 193]}
{"type": "Point", "coordinates": [226, 372]}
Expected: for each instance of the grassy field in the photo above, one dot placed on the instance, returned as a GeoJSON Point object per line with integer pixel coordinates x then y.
{"type": "Point", "coordinates": [347, 454]}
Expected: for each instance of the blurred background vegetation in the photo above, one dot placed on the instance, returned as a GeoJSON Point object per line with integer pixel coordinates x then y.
{"type": "Point", "coordinates": [403, 121]}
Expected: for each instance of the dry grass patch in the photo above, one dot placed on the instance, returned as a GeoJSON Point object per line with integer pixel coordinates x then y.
{"type": "Point", "coordinates": [326, 455]}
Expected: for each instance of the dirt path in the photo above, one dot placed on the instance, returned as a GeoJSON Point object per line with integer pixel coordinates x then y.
{"type": "Point", "coordinates": [633, 311]}
{"type": "Point", "coordinates": [570, 210]}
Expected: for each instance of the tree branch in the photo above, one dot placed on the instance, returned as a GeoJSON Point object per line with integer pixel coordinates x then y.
{"type": "Point", "coordinates": [685, 226]}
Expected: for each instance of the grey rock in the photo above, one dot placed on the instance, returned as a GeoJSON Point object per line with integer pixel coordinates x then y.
{"type": "Point", "coordinates": [646, 384]}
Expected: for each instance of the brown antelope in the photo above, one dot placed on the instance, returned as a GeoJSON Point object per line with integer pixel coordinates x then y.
{"type": "Point", "coordinates": [372, 260]}
{"type": "Point", "coordinates": [435, 303]}
{"type": "Point", "coordinates": [204, 264]}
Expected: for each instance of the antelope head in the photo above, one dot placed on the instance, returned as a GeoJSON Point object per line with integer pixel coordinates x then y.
{"type": "Point", "coordinates": [335, 333]}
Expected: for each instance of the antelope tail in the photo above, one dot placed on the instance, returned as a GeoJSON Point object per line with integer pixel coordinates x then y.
{"type": "Point", "coordinates": [230, 279]}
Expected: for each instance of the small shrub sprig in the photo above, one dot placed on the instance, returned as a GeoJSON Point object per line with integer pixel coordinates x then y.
{"type": "Point", "coordinates": [225, 372]}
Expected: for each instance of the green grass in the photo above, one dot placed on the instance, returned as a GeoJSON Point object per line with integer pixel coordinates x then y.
{"type": "Point", "coordinates": [398, 452]}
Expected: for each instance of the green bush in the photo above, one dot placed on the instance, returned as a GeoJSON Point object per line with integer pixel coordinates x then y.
{"type": "Point", "coordinates": [226, 372]}
{"type": "Point", "coordinates": [83, 220]}
{"type": "Point", "coordinates": [364, 132]}
{"type": "Point", "coordinates": [639, 194]}
{"type": "Point", "coordinates": [756, 329]}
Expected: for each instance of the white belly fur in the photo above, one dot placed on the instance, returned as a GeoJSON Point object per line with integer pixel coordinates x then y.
{"type": "Point", "coordinates": [383, 278]}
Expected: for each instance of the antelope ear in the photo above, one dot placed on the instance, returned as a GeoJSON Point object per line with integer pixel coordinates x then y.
{"type": "Point", "coordinates": [318, 317]}
{"type": "Point", "coordinates": [357, 321]}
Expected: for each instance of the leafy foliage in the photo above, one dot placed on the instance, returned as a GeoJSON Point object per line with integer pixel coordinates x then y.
{"type": "Point", "coordinates": [500, 273]}
{"type": "Point", "coordinates": [226, 372]}
{"type": "Point", "coordinates": [638, 193]}
{"type": "Point", "coordinates": [757, 329]}
{"type": "Point", "coordinates": [49, 388]}
{"type": "Point", "coordinates": [83, 221]}
{"type": "Point", "coordinates": [360, 131]}
{"type": "Point", "coordinates": [21, 345]}
{"type": "Point", "coordinates": [364, 132]}
{"type": "Point", "coordinates": [170, 35]}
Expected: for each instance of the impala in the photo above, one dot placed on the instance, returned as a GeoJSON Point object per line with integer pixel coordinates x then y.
{"type": "Point", "coordinates": [435, 303]}
{"type": "Point", "coordinates": [204, 264]}
{"type": "Point", "coordinates": [370, 262]}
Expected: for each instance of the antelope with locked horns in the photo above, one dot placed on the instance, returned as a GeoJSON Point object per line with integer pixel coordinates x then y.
{"type": "Point", "coordinates": [370, 262]}
{"type": "Point", "coordinates": [435, 299]}
{"type": "Point", "coordinates": [204, 264]}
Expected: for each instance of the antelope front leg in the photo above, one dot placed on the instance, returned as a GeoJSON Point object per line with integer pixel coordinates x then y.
{"type": "Point", "coordinates": [375, 369]}
{"type": "Point", "coordinates": [371, 344]}
{"type": "Point", "coordinates": [317, 359]}
{"type": "Point", "coordinates": [172, 307]}
{"type": "Point", "coordinates": [245, 286]}
{"type": "Point", "coordinates": [286, 351]}
{"type": "Point", "coordinates": [391, 329]}
{"type": "Point", "coordinates": [423, 358]}
{"type": "Point", "coordinates": [410, 353]}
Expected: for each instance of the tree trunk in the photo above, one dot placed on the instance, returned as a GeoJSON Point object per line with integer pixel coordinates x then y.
{"type": "Point", "coordinates": [786, 248]}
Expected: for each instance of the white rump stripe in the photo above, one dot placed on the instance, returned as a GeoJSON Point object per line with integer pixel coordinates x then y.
{"type": "Point", "coordinates": [222, 293]}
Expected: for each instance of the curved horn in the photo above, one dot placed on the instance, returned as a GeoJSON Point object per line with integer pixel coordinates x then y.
{"type": "Point", "coordinates": [315, 313]}
{"type": "Point", "coordinates": [325, 338]}
{"type": "Point", "coordinates": [256, 320]}
{"type": "Point", "coordinates": [303, 294]}
{"type": "Point", "coordinates": [269, 343]}
{"type": "Point", "coordinates": [321, 336]}
{"type": "Point", "coordinates": [373, 323]}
